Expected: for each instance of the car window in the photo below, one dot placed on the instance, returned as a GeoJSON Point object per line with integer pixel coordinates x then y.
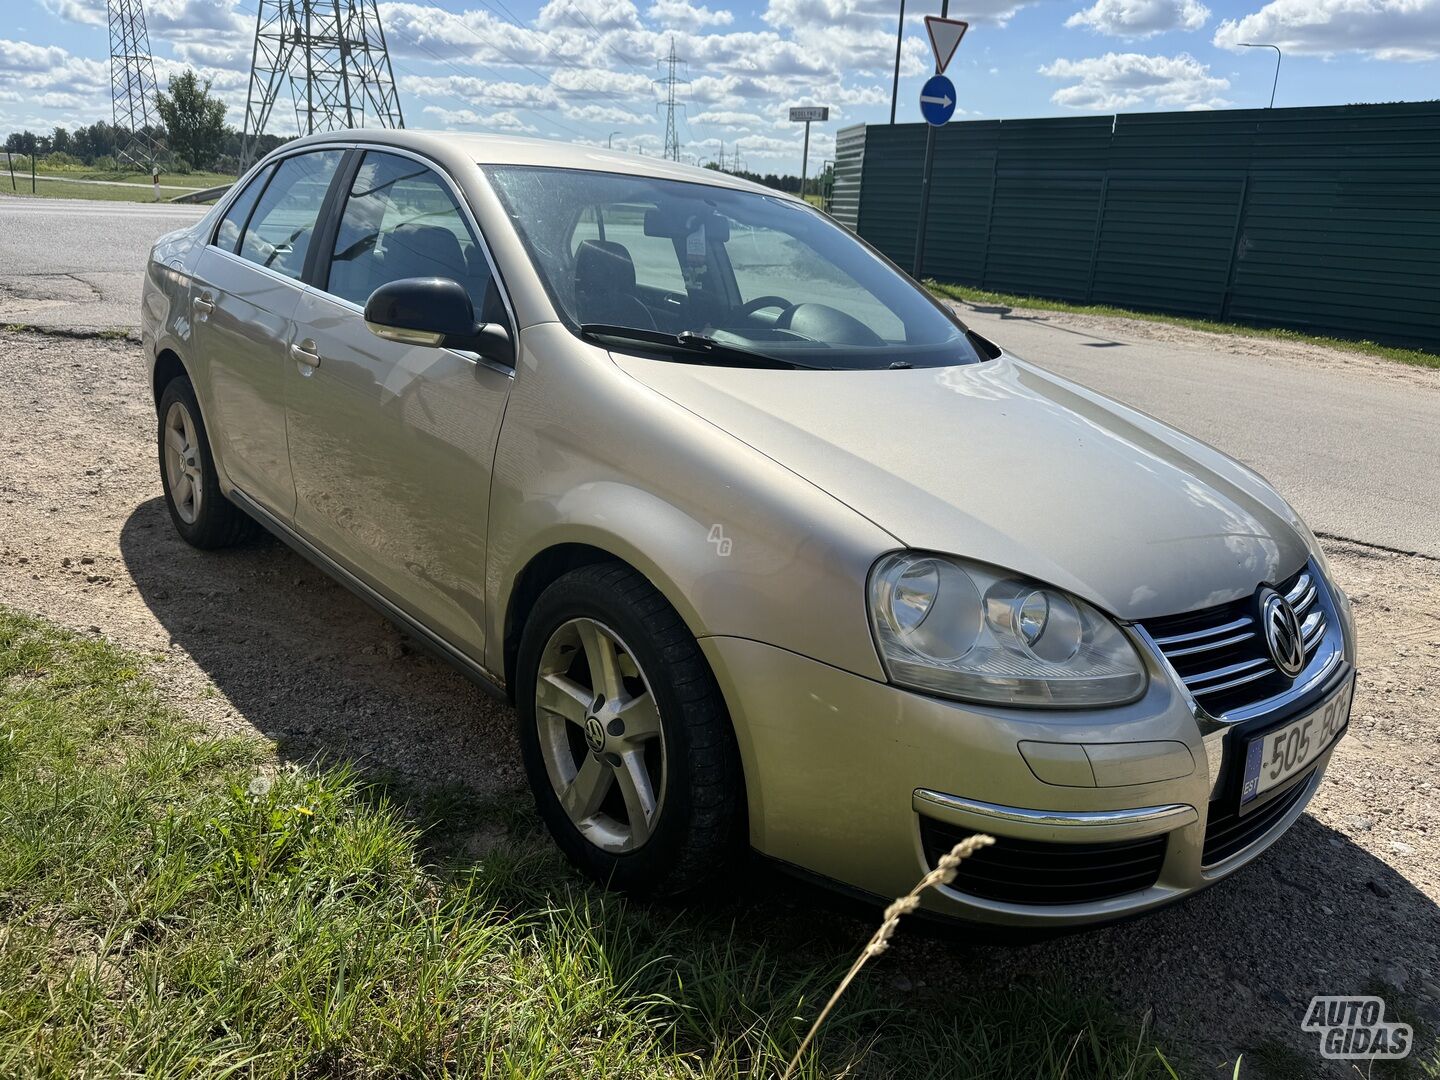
{"type": "Point", "coordinates": [656, 262]}
{"type": "Point", "coordinates": [752, 271]}
{"type": "Point", "coordinates": [768, 261]}
{"type": "Point", "coordinates": [401, 221]}
{"type": "Point", "coordinates": [279, 232]}
{"type": "Point", "coordinates": [227, 236]}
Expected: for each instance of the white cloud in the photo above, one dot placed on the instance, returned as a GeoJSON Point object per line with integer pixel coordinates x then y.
{"type": "Point", "coordinates": [1126, 80]}
{"type": "Point", "coordinates": [495, 121]}
{"type": "Point", "coordinates": [728, 118]}
{"type": "Point", "coordinates": [1382, 29]}
{"type": "Point", "coordinates": [592, 14]}
{"type": "Point", "coordinates": [84, 12]}
{"type": "Point", "coordinates": [683, 13]}
{"type": "Point", "coordinates": [605, 114]}
{"type": "Point", "coordinates": [1140, 18]}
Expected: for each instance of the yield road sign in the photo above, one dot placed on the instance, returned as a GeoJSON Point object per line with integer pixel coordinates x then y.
{"type": "Point", "coordinates": [937, 100]}
{"type": "Point", "coordinates": [945, 35]}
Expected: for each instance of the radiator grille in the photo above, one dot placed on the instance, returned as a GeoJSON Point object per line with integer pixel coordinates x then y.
{"type": "Point", "coordinates": [1220, 653]}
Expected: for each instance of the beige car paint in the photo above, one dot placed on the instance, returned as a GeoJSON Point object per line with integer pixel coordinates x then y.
{"type": "Point", "coordinates": [437, 480]}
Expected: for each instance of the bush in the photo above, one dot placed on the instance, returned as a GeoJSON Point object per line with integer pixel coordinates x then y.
{"type": "Point", "coordinates": [180, 166]}
{"type": "Point", "coordinates": [105, 163]}
{"type": "Point", "coordinates": [58, 159]}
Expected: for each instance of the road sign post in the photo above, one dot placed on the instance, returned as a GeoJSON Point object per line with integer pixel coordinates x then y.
{"type": "Point", "coordinates": [807, 113]}
{"type": "Point", "coordinates": [937, 105]}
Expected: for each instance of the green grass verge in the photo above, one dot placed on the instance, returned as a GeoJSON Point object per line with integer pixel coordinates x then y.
{"type": "Point", "coordinates": [1417, 357]}
{"type": "Point", "coordinates": [133, 176]}
{"type": "Point", "coordinates": [61, 189]}
{"type": "Point", "coordinates": [174, 904]}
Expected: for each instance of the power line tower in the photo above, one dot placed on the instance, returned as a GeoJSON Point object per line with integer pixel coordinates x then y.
{"type": "Point", "coordinates": [331, 57]}
{"type": "Point", "coordinates": [132, 83]}
{"type": "Point", "coordinates": [672, 137]}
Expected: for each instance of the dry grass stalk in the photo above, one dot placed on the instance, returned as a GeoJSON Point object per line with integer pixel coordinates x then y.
{"type": "Point", "coordinates": [943, 874]}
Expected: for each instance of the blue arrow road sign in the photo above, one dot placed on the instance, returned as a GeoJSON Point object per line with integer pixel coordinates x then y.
{"type": "Point", "coordinates": [937, 100]}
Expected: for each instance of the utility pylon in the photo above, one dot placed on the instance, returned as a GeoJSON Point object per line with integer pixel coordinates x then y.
{"type": "Point", "coordinates": [133, 92]}
{"type": "Point", "coordinates": [331, 56]}
{"type": "Point", "coordinates": [672, 137]}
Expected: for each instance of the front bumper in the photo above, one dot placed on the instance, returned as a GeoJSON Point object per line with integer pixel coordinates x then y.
{"type": "Point", "coordinates": [842, 772]}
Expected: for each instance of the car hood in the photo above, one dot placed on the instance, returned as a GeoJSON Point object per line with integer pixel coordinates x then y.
{"type": "Point", "coordinates": [1008, 464]}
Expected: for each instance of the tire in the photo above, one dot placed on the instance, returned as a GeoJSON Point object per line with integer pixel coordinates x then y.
{"type": "Point", "coordinates": [692, 764]}
{"type": "Point", "coordinates": [202, 515]}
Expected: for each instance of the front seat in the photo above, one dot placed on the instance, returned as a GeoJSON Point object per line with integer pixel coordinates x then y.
{"type": "Point", "coordinates": [417, 250]}
{"type": "Point", "coordinates": [605, 286]}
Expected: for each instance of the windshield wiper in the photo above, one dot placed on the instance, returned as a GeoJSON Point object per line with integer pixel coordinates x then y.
{"type": "Point", "coordinates": [689, 343]}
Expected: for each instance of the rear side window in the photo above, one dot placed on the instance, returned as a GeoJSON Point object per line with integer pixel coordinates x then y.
{"type": "Point", "coordinates": [227, 236]}
{"type": "Point", "coordinates": [279, 232]}
{"type": "Point", "coordinates": [400, 221]}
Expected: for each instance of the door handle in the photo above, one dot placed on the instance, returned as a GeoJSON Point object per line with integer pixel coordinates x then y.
{"type": "Point", "coordinates": [205, 303]}
{"type": "Point", "coordinates": [305, 353]}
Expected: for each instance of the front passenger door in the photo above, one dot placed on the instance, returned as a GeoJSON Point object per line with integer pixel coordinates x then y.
{"type": "Point", "coordinates": [392, 445]}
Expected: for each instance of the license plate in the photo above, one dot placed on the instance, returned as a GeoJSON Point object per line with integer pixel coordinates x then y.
{"type": "Point", "coordinates": [1278, 755]}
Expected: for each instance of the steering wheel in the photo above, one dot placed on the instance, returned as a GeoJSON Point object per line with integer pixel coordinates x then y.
{"type": "Point", "coordinates": [760, 303]}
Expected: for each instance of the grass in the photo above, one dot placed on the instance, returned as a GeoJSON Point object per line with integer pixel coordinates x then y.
{"type": "Point", "coordinates": [195, 180]}
{"type": "Point", "coordinates": [179, 905]}
{"type": "Point", "coordinates": [1416, 357]}
{"type": "Point", "coordinates": [61, 189]}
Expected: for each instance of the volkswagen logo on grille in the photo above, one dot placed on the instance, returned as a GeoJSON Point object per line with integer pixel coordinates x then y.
{"type": "Point", "coordinates": [1282, 633]}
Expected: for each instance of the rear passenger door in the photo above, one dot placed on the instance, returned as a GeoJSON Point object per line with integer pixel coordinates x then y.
{"type": "Point", "coordinates": [392, 445]}
{"type": "Point", "coordinates": [248, 282]}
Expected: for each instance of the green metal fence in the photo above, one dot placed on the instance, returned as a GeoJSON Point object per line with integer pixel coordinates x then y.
{"type": "Point", "coordinates": [1326, 220]}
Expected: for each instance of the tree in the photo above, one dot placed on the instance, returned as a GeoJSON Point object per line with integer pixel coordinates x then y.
{"type": "Point", "coordinates": [194, 119]}
{"type": "Point", "coordinates": [60, 141]}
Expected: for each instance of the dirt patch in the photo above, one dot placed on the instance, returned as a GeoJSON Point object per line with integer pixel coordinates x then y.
{"type": "Point", "coordinates": [256, 639]}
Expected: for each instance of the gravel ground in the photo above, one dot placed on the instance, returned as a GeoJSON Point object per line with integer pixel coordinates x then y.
{"type": "Point", "coordinates": [255, 639]}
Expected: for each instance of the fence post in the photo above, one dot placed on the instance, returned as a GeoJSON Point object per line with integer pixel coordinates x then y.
{"type": "Point", "coordinates": [1235, 238]}
{"type": "Point", "coordinates": [989, 217]}
{"type": "Point", "coordinates": [1095, 240]}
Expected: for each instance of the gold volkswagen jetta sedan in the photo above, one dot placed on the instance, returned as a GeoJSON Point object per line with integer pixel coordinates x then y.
{"type": "Point", "coordinates": [768, 549]}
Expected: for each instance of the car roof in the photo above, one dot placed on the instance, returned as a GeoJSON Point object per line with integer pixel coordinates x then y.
{"type": "Point", "coordinates": [548, 153]}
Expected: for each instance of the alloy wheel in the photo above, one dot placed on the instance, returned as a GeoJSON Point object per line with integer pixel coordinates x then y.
{"type": "Point", "coordinates": [600, 735]}
{"type": "Point", "coordinates": [182, 463]}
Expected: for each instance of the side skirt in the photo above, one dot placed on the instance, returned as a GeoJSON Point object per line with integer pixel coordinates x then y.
{"type": "Point", "coordinates": [432, 642]}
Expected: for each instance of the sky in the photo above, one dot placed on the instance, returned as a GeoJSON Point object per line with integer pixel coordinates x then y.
{"type": "Point", "coordinates": [587, 70]}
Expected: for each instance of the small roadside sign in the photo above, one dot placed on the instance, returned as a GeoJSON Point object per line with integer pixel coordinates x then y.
{"type": "Point", "coordinates": [937, 100]}
{"type": "Point", "coordinates": [945, 35]}
{"type": "Point", "coordinates": [806, 113]}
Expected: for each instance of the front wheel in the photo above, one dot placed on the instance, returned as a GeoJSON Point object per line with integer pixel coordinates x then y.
{"type": "Point", "coordinates": [625, 736]}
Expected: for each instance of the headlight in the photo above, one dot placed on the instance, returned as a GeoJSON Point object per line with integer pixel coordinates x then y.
{"type": "Point", "coordinates": [965, 630]}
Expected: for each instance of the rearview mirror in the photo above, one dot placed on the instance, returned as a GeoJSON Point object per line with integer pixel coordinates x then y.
{"type": "Point", "coordinates": [435, 312]}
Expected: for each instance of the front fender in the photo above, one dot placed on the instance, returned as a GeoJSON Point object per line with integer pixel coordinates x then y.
{"type": "Point", "coordinates": [739, 545]}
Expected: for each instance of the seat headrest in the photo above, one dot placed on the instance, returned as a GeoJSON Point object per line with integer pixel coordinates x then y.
{"type": "Point", "coordinates": [603, 266]}
{"type": "Point", "coordinates": [416, 250]}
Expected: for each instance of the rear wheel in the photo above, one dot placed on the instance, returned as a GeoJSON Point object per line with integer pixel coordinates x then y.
{"type": "Point", "coordinates": [626, 739]}
{"type": "Point", "coordinates": [201, 514]}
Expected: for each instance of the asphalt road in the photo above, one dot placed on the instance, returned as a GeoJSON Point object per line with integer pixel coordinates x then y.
{"type": "Point", "coordinates": [1352, 445]}
{"type": "Point", "coordinates": [1351, 442]}
{"type": "Point", "coordinates": [76, 263]}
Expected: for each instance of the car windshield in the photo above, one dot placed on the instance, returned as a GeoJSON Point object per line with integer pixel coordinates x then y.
{"type": "Point", "coordinates": [716, 273]}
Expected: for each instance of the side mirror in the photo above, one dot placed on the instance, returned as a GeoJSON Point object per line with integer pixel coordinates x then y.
{"type": "Point", "coordinates": [436, 313]}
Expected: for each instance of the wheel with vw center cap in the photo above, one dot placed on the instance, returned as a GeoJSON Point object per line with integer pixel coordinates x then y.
{"type": "Point", "coordinates": [625, 736]}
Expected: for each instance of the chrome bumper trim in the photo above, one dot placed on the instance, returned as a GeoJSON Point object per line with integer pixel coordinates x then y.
{"type": "Point", "coordinates": [1062, 825]}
